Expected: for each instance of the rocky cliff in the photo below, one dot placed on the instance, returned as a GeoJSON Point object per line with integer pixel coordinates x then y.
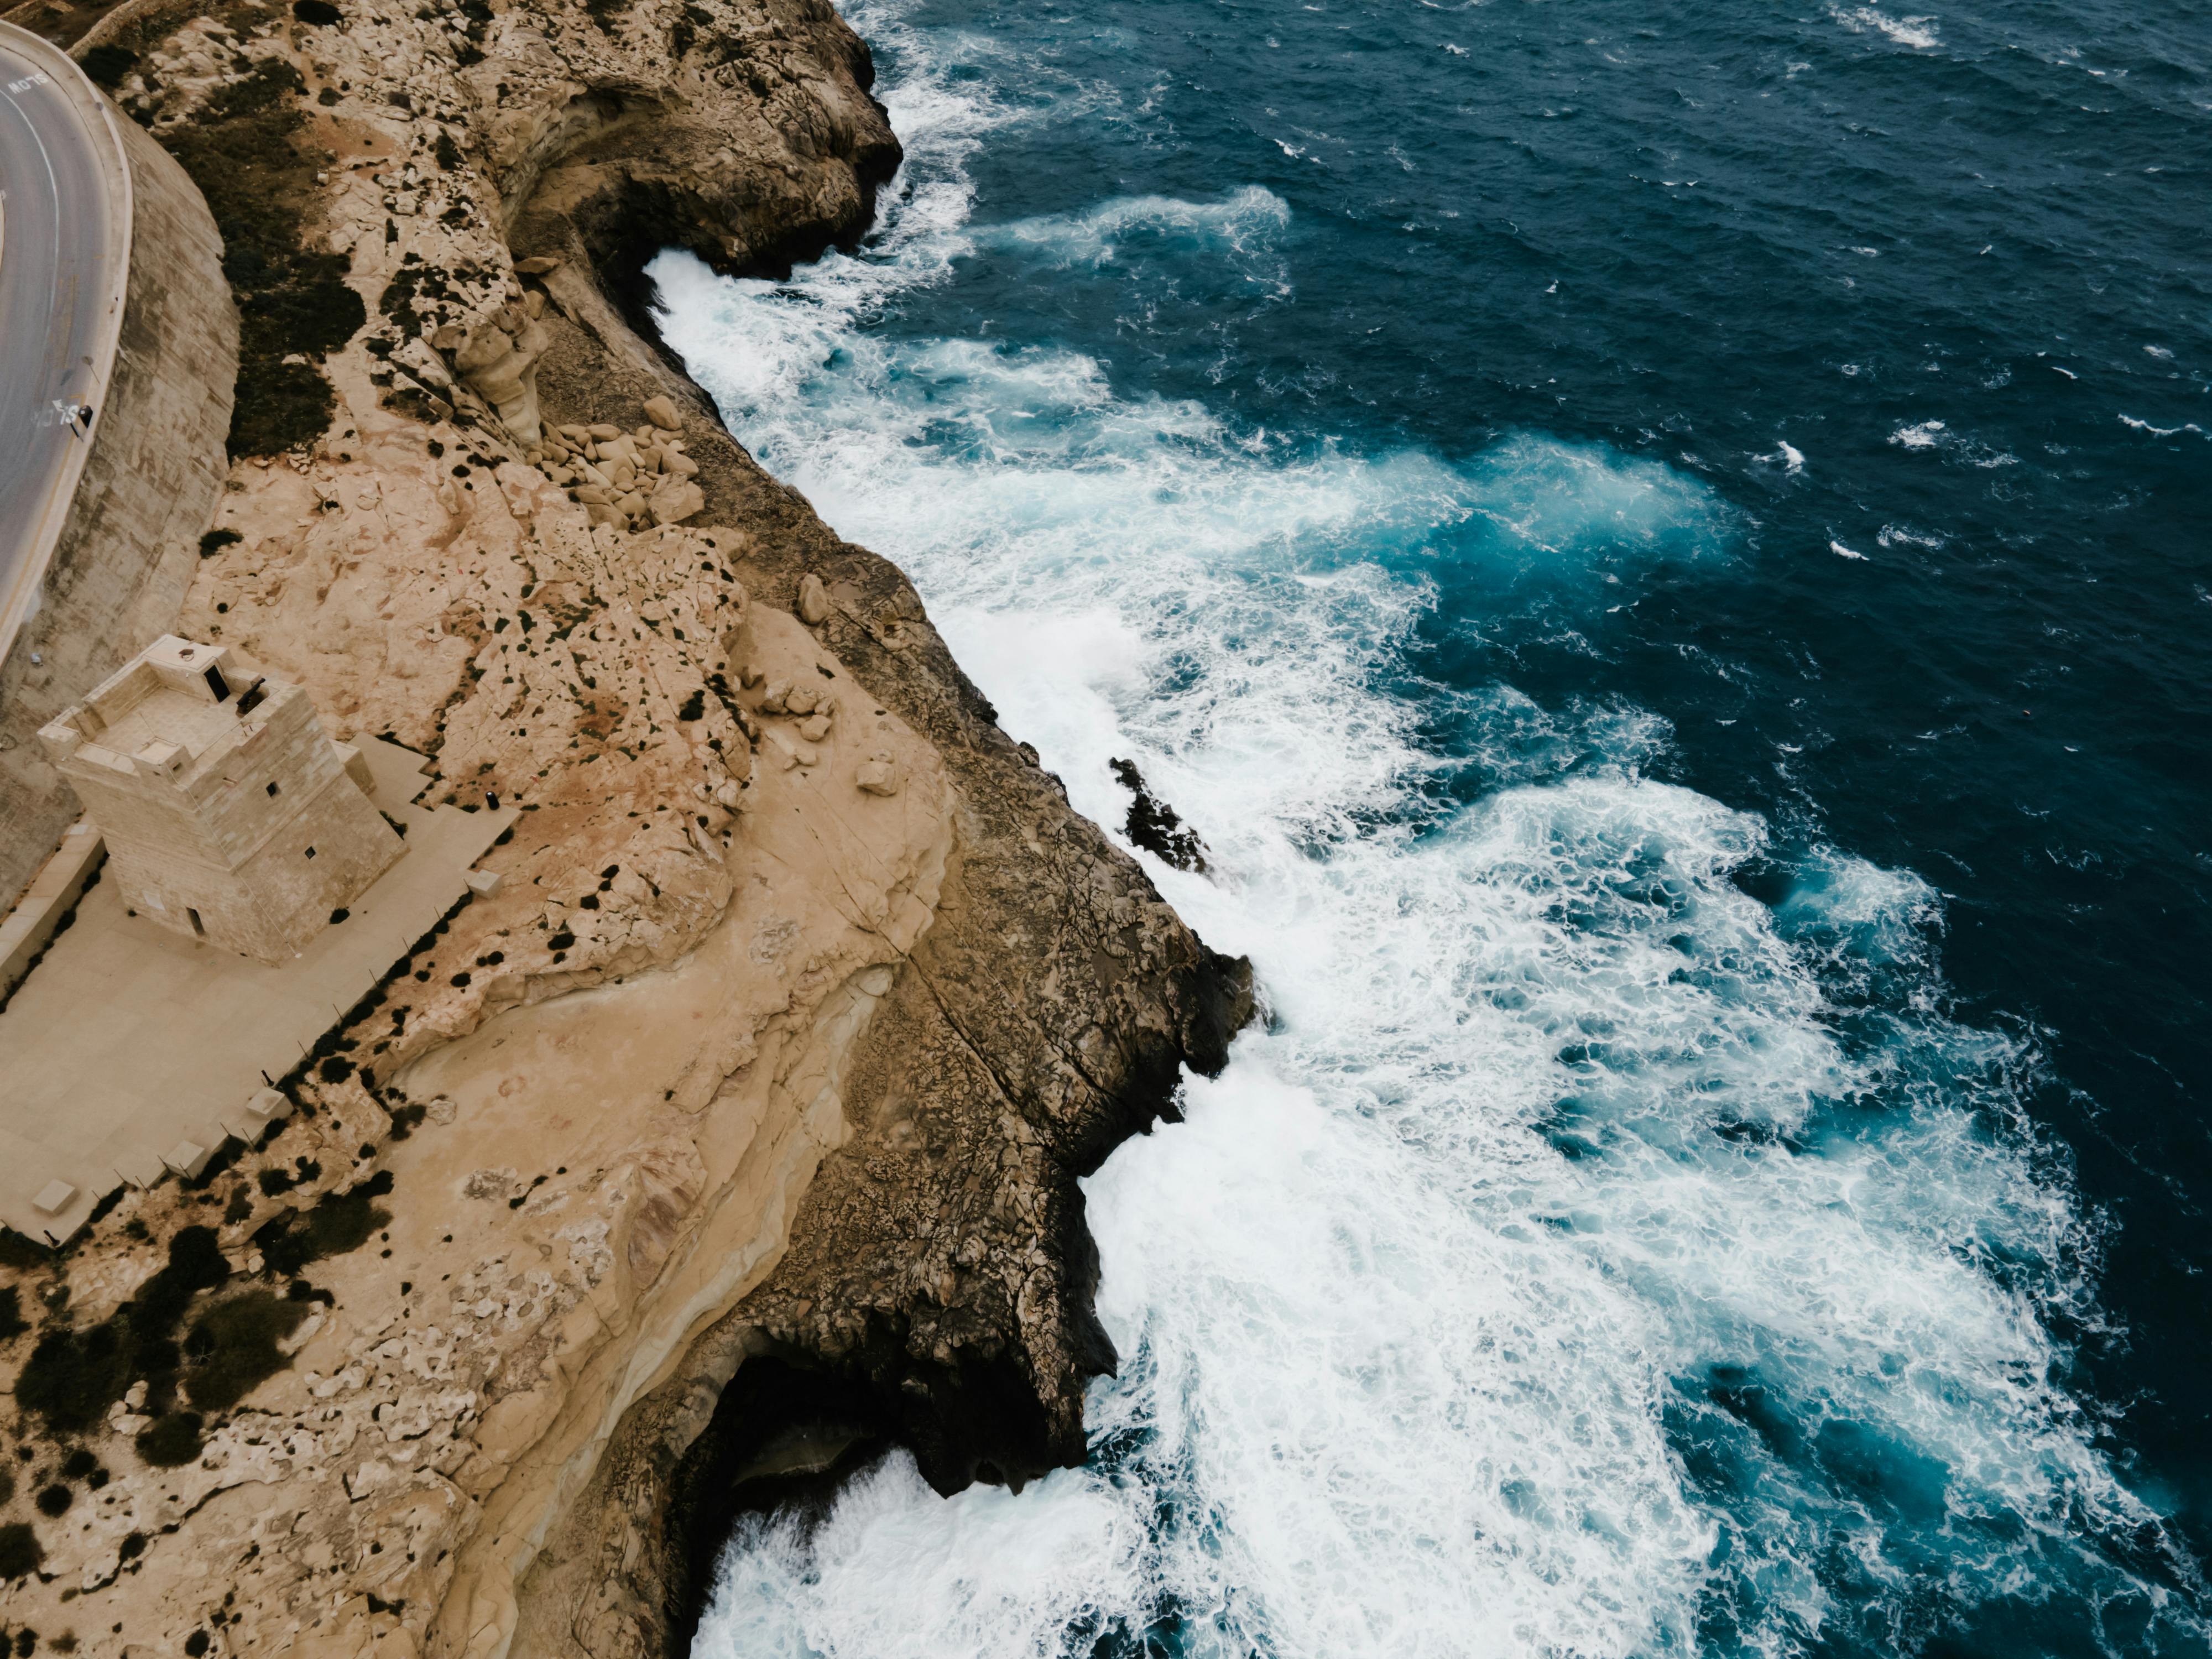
{"type": "Point", "coordinates": [736, 1136]}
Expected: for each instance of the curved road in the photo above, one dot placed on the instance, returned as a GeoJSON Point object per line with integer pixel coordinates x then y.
{"type": "Point", "coordinates": [57, 297]}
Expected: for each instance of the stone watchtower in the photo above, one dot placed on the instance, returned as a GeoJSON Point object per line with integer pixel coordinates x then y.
{"type": "Point", "coordinates": [229, 814]}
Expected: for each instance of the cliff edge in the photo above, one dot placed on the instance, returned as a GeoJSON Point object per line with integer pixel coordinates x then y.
{"type": "Point", "coordinates": [735, 1136]}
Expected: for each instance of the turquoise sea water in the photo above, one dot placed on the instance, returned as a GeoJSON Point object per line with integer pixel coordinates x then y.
{"type": "Point", "coordinates": [1665, 552]}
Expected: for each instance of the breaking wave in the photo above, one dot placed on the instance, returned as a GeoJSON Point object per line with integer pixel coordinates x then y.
{"type": "Point", "coordinates": [1611, 1245]}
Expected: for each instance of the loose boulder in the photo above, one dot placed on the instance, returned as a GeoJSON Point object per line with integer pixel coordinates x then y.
{"type": "Point", "coordinates": [813, 600]}
{"type": "Point", "coordinates": [675, 500]}
{"type": "Point", "coordinates": [877, 775]}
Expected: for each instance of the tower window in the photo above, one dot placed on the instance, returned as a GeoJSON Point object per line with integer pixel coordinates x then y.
{"type": "Point", "coordinates": [272, 792]}
{"type": "Point", "coordinates": [311, 852]}
{"type": "Point", "coordinates": [198, 926]}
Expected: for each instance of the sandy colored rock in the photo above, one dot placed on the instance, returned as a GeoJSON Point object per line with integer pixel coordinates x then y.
{"type": "Point", "coordinates": [878, 774]}
{"type": "Point", "coordinates": [738, 1061]}
{"type": "Point", "coordinates": [498, 360]}
{"type": "Point", "coordinates": [813, 600]}
{"type": "Point", "coordinates": [676, 500]}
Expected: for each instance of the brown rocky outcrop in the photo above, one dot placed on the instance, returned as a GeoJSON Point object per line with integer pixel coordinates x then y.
{"type": "Point", "coordinates": [738, 1133]}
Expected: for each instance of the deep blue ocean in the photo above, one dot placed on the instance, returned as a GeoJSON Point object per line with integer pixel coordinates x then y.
{"type": "Point", "coordinates": [1668, 552]}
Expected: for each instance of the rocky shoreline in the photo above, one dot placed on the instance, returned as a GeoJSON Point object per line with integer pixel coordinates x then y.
{"type": "Point", "coordinates": [736, 1137]}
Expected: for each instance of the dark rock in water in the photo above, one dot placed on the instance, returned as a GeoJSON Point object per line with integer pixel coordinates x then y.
{"type": "Point", "coordinates": [1154, 825]}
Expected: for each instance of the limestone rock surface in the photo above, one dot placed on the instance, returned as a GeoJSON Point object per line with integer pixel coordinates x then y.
{"type": "Point", "coordinates": [747, 1108]}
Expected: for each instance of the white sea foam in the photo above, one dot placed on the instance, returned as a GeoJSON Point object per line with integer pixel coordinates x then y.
{"type": "Point", "coordinates": [1935, 435]}
{"type": "Point", "coordinates": [2162, 431]}
{"type": "Point", "coordinates": [1894, 535]}
{"type": "Point", "coordinates": [1449, 1314]}
{"type": "Point", "coordinates": [1919, 32]}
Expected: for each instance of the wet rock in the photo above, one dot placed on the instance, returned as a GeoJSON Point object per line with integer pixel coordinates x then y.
{"type": "Point", "coordinates": [1154, 825]}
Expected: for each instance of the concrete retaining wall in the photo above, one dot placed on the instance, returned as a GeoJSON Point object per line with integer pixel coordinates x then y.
{"type": "Point", "coordinates": [150, 487]}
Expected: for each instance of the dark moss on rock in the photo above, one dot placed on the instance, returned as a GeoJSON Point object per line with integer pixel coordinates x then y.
{"type": "Point", "coordinates": [338, 1224]}
{"type": "Point", "coordinates": [106, 66]}
{"type": "Point", "coordinates": [233, 1347]}
{"type": "Point", "coordinates": [20, 1553]}
{"type": "Point", "coordinates": [74, 1376]}
{"type": "Point", "coordinates": [245, 151]}
{"type": "Point", "coordinates": [173, 1440]}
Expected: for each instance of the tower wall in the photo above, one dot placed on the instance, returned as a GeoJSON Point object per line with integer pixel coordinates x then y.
{"type": "Point", "coordinates": [230, 818]}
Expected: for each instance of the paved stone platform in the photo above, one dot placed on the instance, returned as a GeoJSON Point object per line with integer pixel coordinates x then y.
{"type": "Point", "coordinates": [128, 1039]}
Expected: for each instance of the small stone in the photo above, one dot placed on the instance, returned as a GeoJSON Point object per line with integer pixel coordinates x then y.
{"type": "Point", "coordinates": [877, 775]}
{"type": "Point", "coordinates": [815, 729]}
{"type": "Point", "coordinates": [601, 432]}
{"type": "Point", "coordinates": [536, 265]}
{"type": "Point", "coordinates": [802, 700]}
{"type": "Point", "coordinates": [662, 413]}
{"type": "Point", "coordinates": [787, 751]}
{"type": "Point", "coordinates": [813, 600]}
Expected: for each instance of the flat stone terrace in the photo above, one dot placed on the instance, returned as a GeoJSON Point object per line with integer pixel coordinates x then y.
{"type": "Point", "coordinates": [129, 1039]}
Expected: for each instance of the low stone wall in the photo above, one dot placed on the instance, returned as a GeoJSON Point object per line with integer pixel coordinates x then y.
{"type": "Point", "coordinates": [150, 487]}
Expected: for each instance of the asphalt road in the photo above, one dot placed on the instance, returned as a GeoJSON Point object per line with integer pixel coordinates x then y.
{"type": "Point", "coordinates": [54, 288]}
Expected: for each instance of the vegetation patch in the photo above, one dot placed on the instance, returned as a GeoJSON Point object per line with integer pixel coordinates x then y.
{"type": "Point", "coordinates": [340, 1223]}
{"type": "Point", "coordinates": [244, 152]}
{"type": "Point", "coordinates": [73, 1375]}
{"type": "Point", "coordinates": [107, 65]}
{"type": "Point", "coordinates": [411, 299]}
{"type": "Point", "coordinates": [172, 1442]}
{"type": "Point", "coordinates": [232, 1349]}
{"type": "Point", "coordinates": [20, 1553]}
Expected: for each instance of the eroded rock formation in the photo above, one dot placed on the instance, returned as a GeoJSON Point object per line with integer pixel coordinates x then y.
{"type": "Point", "coordinates": [746, 1116]}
